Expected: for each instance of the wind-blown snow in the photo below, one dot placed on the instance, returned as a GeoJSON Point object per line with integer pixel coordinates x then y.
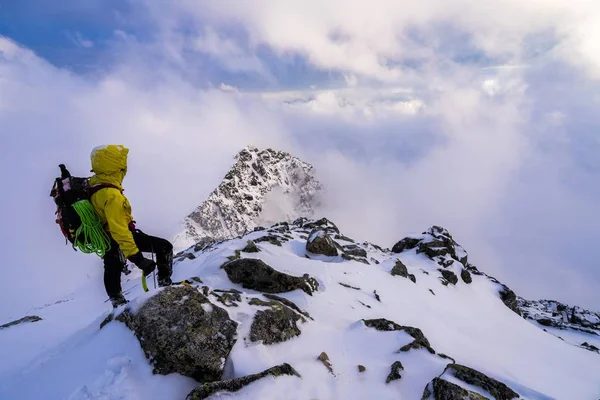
{"type": "Point", "coordinates": [66, 356]}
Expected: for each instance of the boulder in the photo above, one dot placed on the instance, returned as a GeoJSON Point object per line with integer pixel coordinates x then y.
{"type": "Point", "coordinates": [250, 247]}
{"type": "Point", "coordinates": [233, 385]}
{"type": "Point", "coordinates": [275, 325]}
{"type": "Point", "coordinates": [24, 320]}
{"type": "Point", "coordinates": [440, 389]}
{"type": "Point", "coordinates": [497, 389]}
{"type": "Point", "coordinates": [319, 242]}
{"type": "Point", "coordinates": [273, 239]}
{"type": "Point", "coordinates": [256, 275]}
{"type": "Point", "coordinates": [323, 224]}
{"type": "Point", "coordinates": [449, 276]}
{"type": "Point", "coordinates": [466, 276]}
{"type": "Point", "coordinates": [509, 298]}
{"type": "Point", "coordinates": [395, 372]}
{"type": "Point", "coordinates": [181, 331]}
{"type": "Point", "coordinates": [400, 269]}
{"type": "Point", "coordinates": [419, 342]}
{"type": "Point", "coordinates": [407, 243]}
{"type": "Point", "coordinates": [355, 251]}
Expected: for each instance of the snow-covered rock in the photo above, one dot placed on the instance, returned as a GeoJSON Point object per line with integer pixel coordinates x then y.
{"type": "Point", "coordinates": [429, 339]}
{"type": "Point", "coordinates": [263, 187]}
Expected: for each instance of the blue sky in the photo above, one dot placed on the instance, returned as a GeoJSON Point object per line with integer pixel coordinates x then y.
{"type": "Point", "coordinates": [483, 119]}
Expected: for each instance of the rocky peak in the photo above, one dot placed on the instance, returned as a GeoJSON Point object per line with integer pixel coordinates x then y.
{"type": "Point", "coordinates": [262, 187]}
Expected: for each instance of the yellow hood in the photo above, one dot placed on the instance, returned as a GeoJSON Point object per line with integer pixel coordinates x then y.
{"type": "Point", "coordinates": [109, 164]}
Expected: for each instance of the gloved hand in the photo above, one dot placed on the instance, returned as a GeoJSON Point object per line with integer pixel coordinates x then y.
{"type": "Point", "coordinates": [143, 263]}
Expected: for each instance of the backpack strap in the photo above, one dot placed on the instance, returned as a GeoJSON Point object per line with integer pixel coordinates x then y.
{"type": "Point", "coordinates": [93, 189]}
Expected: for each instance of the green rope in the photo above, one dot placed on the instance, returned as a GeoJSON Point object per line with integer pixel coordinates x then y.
{"type": "Point", "coordinates": [94, 238]}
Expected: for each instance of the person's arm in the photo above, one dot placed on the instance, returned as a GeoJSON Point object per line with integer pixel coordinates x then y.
{"type": "Point", "coordinates": [118, 223]}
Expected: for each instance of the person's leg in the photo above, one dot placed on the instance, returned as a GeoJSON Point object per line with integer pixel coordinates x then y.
{"type": "Point", "coordinates": [163, 250]}
{"type": "Point", "coordinates": [113, 266]}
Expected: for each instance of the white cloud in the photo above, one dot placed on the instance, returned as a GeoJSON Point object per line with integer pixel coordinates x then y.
{"type": "Point", "coordinates": [80, 40]}
{"type": "Point", "coordinates": [416, 132]}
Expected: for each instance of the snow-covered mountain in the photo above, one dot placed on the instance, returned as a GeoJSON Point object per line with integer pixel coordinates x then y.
{"type": "Point", "coordinates": [262, 188]}
{"type": "Point", "coordinates": [301, 311]}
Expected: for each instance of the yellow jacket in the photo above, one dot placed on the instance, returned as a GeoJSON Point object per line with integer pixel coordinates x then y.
{"type": "Point", "coordinates": [109, 164]}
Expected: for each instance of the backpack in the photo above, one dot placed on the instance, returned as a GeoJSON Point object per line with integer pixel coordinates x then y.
{"type": "Point", "coordinates": [75, 215]}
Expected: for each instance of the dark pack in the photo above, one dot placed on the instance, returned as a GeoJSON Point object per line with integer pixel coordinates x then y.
{"type": "Point", "coordinates": [66, 191]}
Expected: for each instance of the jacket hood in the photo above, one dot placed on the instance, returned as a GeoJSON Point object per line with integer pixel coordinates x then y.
{"type": "Point", "coordinates": [109, 164]}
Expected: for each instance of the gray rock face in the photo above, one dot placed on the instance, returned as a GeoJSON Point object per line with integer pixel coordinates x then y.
{"type": "Point", "coordinates": [233, 385]}
{"type": "Point", "coordinates": [440, 389]}
{"type": "Point", "coordinates": [562, 316]}
{"type": "Point", "coordinates": [24, 320]}
{"type": "Point", "coordinates": [181, 331]}
{"type": "Point", "coordinates": [420, 342]}
{"type": "Point", "coordinates": [509, 298]}
{"type": "Point", "coordinates": [322, 224]}
{"type": "Point", "coordinates": [468, 375]}
{"type": "Point", "coordinates": [274, 325]}
{"type": "Point", "coordinates": [355, 251]}
{"type": "Point", "coordinates": [466, 276]}
{"type": "Point", "coordinates": [395, 372]}
{"type": "Point", "coordinates": [436, 243]}
{"type": "Point", "coordinates": [250, 247]}
{"type": "Point", "coordinates": [319, 242]}
{"type": "Point", "coordinates": [400, 269]}
{"type": "Point", "coordinates": [449, 276]}
{"type": "Point", "coordinates": [256, 275]}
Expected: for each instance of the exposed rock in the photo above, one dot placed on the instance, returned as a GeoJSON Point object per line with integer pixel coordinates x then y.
{"type": "Point", "coordinates": [353, 258]}
{"type": "Point", "coordinates": [420, 342]}
{"type": "Point", "coordinates": [255, 274]}
{"type": "Point", "coordinates": [590, 347]}
{"type": "Point", "coordinates": [432, 292]}
{"type": "Point", "coordinates": [196, 279]}
{"type": "Point", "coordinates": [228, 297]}
{"type": "Point", "coordinates": [407, 243]}
{"type": "Point", "coordinates": [324, 358]}
{"type": "Point", "coordinates": [440, 389]}
{"type": "Point", "coordinates": [233, 385]}
{"type": "Point", "coordinates": [449, 276]}
{"type": "Point", "coordinates": [468, 375]}
{"type": "Point", "coordinates": [288, 303]}
{"type": "Point", "coordinates": [344, 238]}
{"type": "Point", "coordinates": [348, 286]}
{"type": "Point", "coordinates": [545, 322]}
{"type": "Point", "coordinates": [323, 224]}
{"type": "Point", "coordinates": [274, 240]}
{"type": "Point", "coordinates": [250, 247]}
{"type": "Point", "coordinates": [24, 320]}
{"type": "Point", "coordinates": [354, 250]}
{"type": "Point", "coordinates": [361, 368]}
{"type": "Point", "coordinates": [559, 315]}
{"type": "Point", "coordinates": [395, 372]}
{"type": "Point", "coordinates": [181, 331]}
{"type": "Point", "coordinates": [412, 277]}
{"type": "Point", "coordinates": [445, 357]}
{"type": "Point", "coordinates": [466, 276]}
{"type": "Point", "coordinates": [319, 242]}
{"type": "Point", "coordinates": [275, 325]}
{"type": "Point", "coordinates": [377, 296]}
{"type": "Point", "coordinates": [400, 269]}
{"type": "Point", "coordinates": [509, 298]}
{"type": "Point", "coordinates": [436, 243]}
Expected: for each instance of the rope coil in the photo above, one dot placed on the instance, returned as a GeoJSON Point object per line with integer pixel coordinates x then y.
{"type": "Point", "coordinates": [90, 236]}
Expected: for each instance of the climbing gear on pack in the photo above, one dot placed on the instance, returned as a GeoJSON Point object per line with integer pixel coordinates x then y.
{"type": "Point", "coordinates": [76, 216]}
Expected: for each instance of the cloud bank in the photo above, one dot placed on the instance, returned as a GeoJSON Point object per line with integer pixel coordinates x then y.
{"type": "Point", "coordinates": [481, 118]}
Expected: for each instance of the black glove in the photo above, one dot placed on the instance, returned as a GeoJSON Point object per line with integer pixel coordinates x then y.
{"type": "Point", "coordinates": [143, 263]}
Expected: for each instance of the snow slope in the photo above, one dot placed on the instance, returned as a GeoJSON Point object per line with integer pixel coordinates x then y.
{"type": "Point", "coordinates": [263, 187]}
{"type": "Point", "coordinates": [67, 356]}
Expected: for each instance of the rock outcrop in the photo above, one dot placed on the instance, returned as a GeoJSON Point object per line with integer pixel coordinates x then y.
{"type": "Point", "coordinates": [233, 385]}
{"type": "Point", "coordinates": [256, 275]}
{"type": "Point", "coordinates": [181, 331]}
{"type": "Point", "coordinates": [497, 389]}
{"type": "Point", "coordinates": [436, 243]}
{"type": "Point", "coordinates": [24, 320]}
{"type": "Point", "coordinates": [419, 342]}
{"type": "Point", "coordinates": [320, 243]}
{"type": "Point", "coordinates": [276, 324]}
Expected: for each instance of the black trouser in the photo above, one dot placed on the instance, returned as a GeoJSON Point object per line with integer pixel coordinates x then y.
{"type": "Point", "coordinates": [113, 264]}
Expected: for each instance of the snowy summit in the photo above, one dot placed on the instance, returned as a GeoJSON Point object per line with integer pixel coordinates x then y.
{"type": "Point", "coordinates": [263, 187]}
